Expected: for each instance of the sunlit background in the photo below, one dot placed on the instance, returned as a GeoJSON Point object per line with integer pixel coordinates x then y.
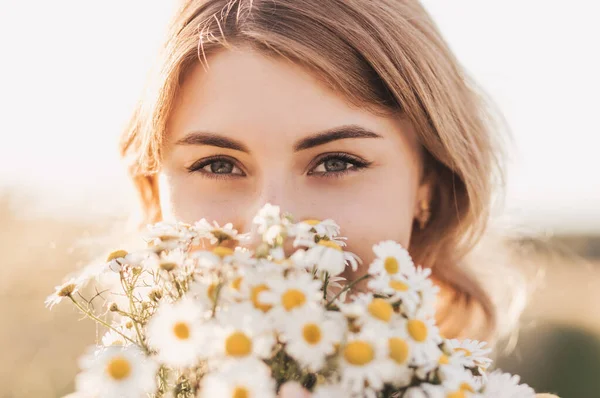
{"type": "Point", "coordinates": [71, 72]}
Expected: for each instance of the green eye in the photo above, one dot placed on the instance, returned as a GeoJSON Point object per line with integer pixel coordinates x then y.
{"type": "Point", "coordinates": [217, 167]}
{"type": "Point", "coordinates": [337, 164]}
{"type": "Point", "coordinates": [220, 167]}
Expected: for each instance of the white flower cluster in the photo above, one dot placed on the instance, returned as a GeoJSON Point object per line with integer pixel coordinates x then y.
{"type": "Point", "coordinates": [195, 315]}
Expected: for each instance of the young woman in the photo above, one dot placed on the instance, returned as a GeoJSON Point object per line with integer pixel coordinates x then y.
{"type": "Point", "coordinates": [353, 110]}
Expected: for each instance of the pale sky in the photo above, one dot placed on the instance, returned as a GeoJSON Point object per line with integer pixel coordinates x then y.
{"type": "Point", "coordinates": [71, 71]}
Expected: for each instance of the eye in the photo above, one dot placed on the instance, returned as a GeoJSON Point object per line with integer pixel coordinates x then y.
{"type": "Point", "coordinates": [217, 167]}
{"type": "Point", "coordinates": [337, 164]}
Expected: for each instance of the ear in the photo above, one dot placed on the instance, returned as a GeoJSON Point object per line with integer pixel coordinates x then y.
{"type": "Point", "coordinates": [424, 193]}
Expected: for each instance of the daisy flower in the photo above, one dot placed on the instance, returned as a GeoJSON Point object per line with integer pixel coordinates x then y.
{"type": "Point", "coordinates": [118, 258]}
{"type": "Point", "coordinates": [275, 234]}
{"type": "Point", "coordinates": [291, 293]}
{"type": "Point", "coordinates": [306, 231]}
{"type": "Point", "coordinates": [472, 353]}
{"type": "Point", "coordinates": [173, 260]}
{"type": "Point", "coordinates": [248, 378]}
{"type": "Point", "coordinates": [242, 331]}
{"type": "Point", "coordinates": [266, 217]}
{"type": "Point", "coordinates": [116, 372]}
{"type": "Point", "coordinates": [399, 288]}
{"type": "Point", "coordinates": [448, 368]}
{"type": "Point", "coordinates": [399, 352]}
{"type": "Point", "coordinates": [216, 234]}
{"type": "Point", "coordinates": [369, 310]}
{"type": "Point", "coordinates": [67, 289]}
{"type": "Point", "coordinates": [177, 333]}
{"type": "Point", "coordinates": [328, 256]}
{"type": "Point", "coordinates": [391, 259]}
{"type": "Point", "coordinates": [204, 290]}
{"type": "Point", "coordinates": [361, 362]}
{"type": "Point", "coordinates": [112, 338]}
{"type": "Point", "coordinates": [254, 283]}
{"type": "Point", "coordinates": [427, 291]}
{"type": "Point", "coordinates": [166, 235]}
{"type": "Point", "coordinates": [207, 260]}
{"type": "Point", "coordinates": [242, 257]}
{"type": "Point", "coordinates": [457, 381]}
{"type": "Point", "coordinates": [311, 336]}
{"type": "Point", "coordinates": [504, 385]}
{"type": "Point", "coordinates": [423, 336]}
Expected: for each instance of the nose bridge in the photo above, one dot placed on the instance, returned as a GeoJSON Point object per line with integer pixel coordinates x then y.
{"type": "Point", "coordinates": [276, 189]}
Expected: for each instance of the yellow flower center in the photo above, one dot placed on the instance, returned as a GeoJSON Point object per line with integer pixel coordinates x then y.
{"type": "Point", "coordinates": [116, 254]}
{"type": "Point", "coordinates": [292, 298]}
{"type": "Point", "coordinates": [311, 333]}
{"type": "Point", "coordinates": [398, 286]}
{"type": "Point", "coordinates": [118, 368]}
{"type": "Point", "coordinates": [181, 330]}
{"type": "Point", "coordinates": [443, 360]}
{"type": "Point", "coordinates": [466, 387]}
{"type": "Point", "coordinates": [240, 392]}
{"type": "Point", "coordinates": [417, 330]}
{"type": "Point", "coordinates": [238, 345]}
{"type": "Point", "coordinates": [398, 350]}
{"type": "Point", "coordinates": [391, 265]}
{"type": "Point", "coordinates": [456, 394]}
{"type": "Point", "coordinates": [358, 353]}
{"type": "Point", "coordinates": [67, 290]}
{"type": "Point", "coordinates": [236, 283]}
{"type": "Point", "coordinates": [211, 292]}
{"type": "Point", "coordinates": [330, 244]}
{"type": "Point", "coordinates": [467, 352]}
{"type": "Point", "coordinates": [222, 251]}
{"type": "Point", "coordinates": [311, 222]}
{"type": "Point", "coordinates": [168, 266]}
{"type": "Point", "coordinates": [256, 290]}
{"type": "Point", "coordinates": [381, 309]}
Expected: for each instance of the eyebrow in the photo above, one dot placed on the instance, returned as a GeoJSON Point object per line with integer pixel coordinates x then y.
{"type": "Point", "coordinates": [334, 134]}
{"type": "Point", "coordinates": [212, 139]}
{"type": "Point", "coordinates": [317, 139]}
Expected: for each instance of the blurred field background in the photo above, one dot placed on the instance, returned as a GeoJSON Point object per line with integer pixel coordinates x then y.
{"type": "Point", "coordinates": [72, 76]}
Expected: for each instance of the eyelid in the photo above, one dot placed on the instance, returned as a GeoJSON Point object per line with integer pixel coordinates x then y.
{"type": "Point", "coordinates": [197, 166]}
{"type": "Point", "coordinates": [356, 161]}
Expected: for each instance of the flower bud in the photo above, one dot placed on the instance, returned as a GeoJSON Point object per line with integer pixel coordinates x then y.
{"type": "Point", "coordinates": [67, 290]}
{"type": "Point", "coordinates": [116, 254]}
{"type": "Point", "coordinates": [168, 266]}
{"type": "Point", "coordinates": [155, 295]}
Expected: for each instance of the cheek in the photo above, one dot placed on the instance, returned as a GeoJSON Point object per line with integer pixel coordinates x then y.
{"type": "Point", "coordinates": [184, 199]}
{"type": "Point", "coordinates": [382, 210]}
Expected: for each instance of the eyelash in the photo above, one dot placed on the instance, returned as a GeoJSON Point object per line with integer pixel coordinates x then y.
{"type": "Point", "coordinates": [355, 162]}
{"type": "Point", "coordinates": [200, 164]}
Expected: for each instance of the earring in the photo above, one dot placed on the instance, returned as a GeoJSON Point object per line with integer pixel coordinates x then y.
{"type": "Point", "coordinates": [424, 214]}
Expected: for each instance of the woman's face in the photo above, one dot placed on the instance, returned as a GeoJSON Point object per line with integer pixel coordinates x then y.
{"type": "Point", "coordinates": [252, 130]}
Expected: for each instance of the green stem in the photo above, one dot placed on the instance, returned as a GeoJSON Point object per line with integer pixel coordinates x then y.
{"type": "Point", "coordinates": [217, 293]}
{"type": "Point", "coordinates": [325, 284]}
{"type": "Point", "coordinates": [100, 321]}
{"type": "Point", "coordinates": [129, 291]}
{"type": "Point", "coordinates": [346, 288]}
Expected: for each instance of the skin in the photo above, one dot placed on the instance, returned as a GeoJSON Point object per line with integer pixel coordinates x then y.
{"type": "Point", "coordinates": [266, 107]}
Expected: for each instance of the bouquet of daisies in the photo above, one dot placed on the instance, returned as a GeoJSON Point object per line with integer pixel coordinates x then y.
{"type": "Point", "coordinates": [198, 314]}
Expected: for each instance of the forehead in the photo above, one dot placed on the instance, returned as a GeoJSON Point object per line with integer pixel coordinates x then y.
{"type": "Point", "coordinates": [246, 92]}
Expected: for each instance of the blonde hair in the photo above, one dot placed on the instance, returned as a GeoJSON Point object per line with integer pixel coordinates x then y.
{"type": "Point", "coordinates": [389, 56]}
